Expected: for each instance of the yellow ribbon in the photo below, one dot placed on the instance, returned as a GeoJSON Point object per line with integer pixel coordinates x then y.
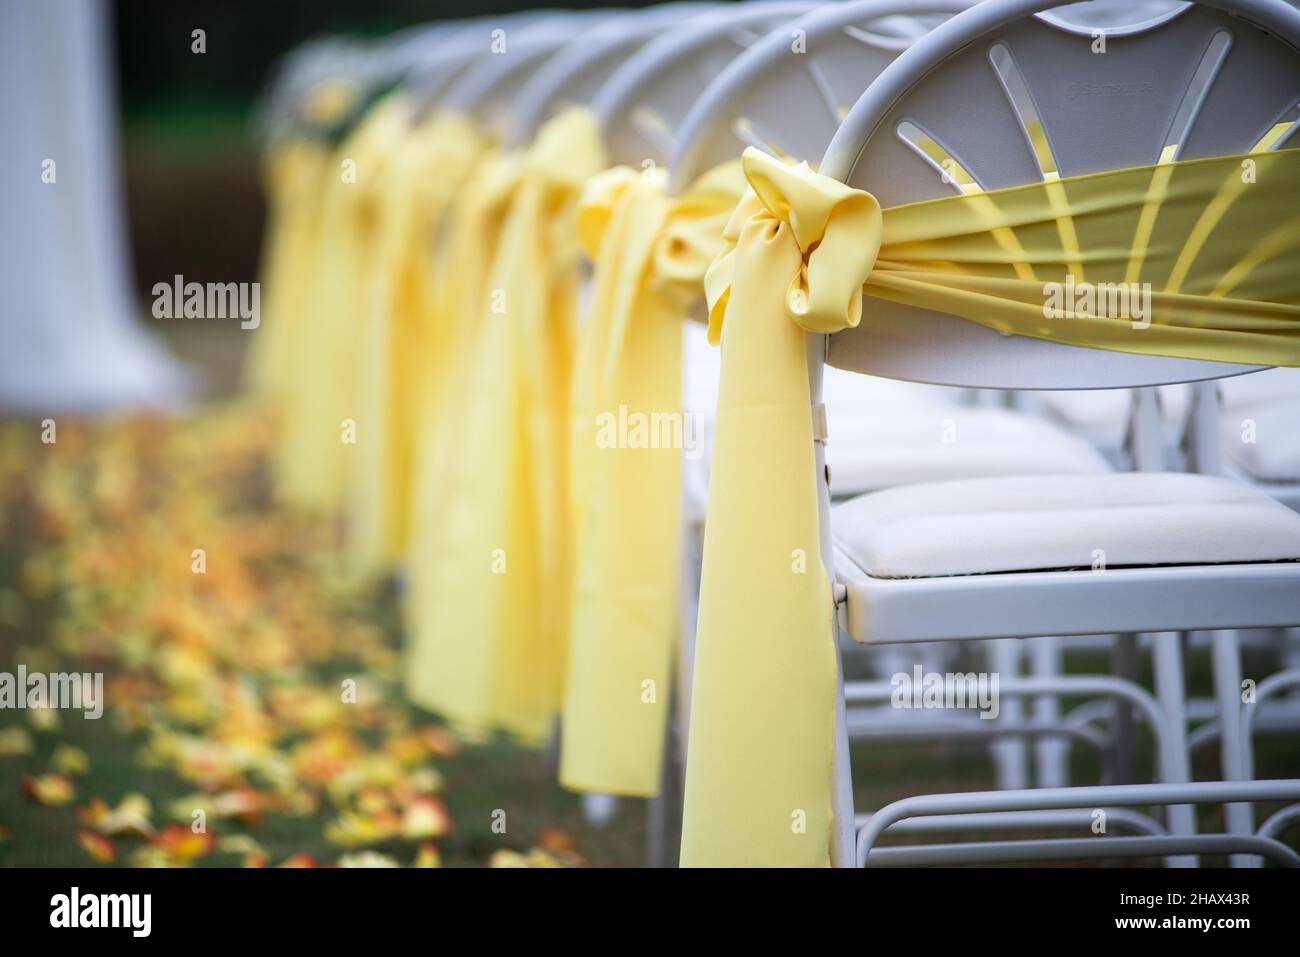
{"type": "Point", "coordinates": [1211, 244]}
{"type": "Point", "coordinates": [294, 175]}
{"type": "Point", "coordinates": [400, 350]}
{"type": "Point", "coordinates": [321, 422]}
{"type": "Point", "coordinates": [493, 576]}
{"type": "Point", "coordinates": [649, 252]}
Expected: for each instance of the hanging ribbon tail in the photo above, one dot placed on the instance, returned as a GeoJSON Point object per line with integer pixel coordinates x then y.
{"type": "Point", "coordinates": [649, 255]}
{"type": "Point", "coordinates": [758, 782]}
{"type": "Point", "coordinates": [625, 498]}
{"type": "Point", "coordinates": [494, 619]}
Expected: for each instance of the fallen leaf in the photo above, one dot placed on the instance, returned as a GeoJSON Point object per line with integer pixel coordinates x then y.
{"type": "Point", "coordinates": [52, 790]}
{"type": "Point", "coordinates": [428, 856]}
{"type": "Point", "coordinates": [96, 845]}
{"type": "Point", "coordinates": [182, 844]}
{"type": "Point", "coordinates": [69, 760]}
{"type": "Point", "coordinates": [15, 742]}
{"type": "Point", "coordinates": [367, 859]}
{"type": "Point", "coordinates": [424, 818]}
{"type": "Point", "coordinates": [131, 816]}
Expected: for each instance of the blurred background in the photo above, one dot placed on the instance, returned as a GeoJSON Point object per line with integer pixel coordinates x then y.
{"type": "Point", "coordinates": [190, 158]}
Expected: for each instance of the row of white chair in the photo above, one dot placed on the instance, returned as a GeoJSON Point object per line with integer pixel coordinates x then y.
{"type": "Point", "coordinates": [1033, 483]}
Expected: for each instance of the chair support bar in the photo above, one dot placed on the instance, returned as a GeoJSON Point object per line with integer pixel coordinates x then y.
{"type": "Point", "coordinates": [1129, 795]}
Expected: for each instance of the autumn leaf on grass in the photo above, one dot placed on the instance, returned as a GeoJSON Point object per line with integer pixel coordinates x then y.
{"type": "Point", "coordinates": [440, 742]}
{"type": "Point", "coordinates": [96, 845]}
{"type": "Point", "coordinates": [419, 782]}
{"type": "Point", "coordinates": [424, 818]}
{"type": "Point", "coordinates": [15, 742]}
{"type": "Point", "coordinates": [299, 860]}
{"type": "Point", "coordinates": [428, 856]}
{"type": "Point", "coordinates": [129, 817]}
{"type": "Point", "coordinates": [242, 804]}
{"type": "Point", "coordinates": [506, 858]}
{"type": "Point", "coordinates": [407, 749]}
{"type": "Point", "coordinates": [70, 760]}
{"type": "Point", "coordinates": [52, 790]}
{"type": "Point", "coordinates": [367, 859]}
{"type": "Point", "coordinates": [552, 839]}
{"type": "Point", "coordinates": [536, 858]}
{"type": "Point", "coordinates": [182, 845]}
{"type": "Point", "coordinates": [44, 719]}
{"type": "Point", "coordinates": [540, 858]}
{"type": "Point", "coordinates": [558, 846]}
{"type": "Point", "coordinates": [351, 829]}
{"type": "Point", "coordinates": [253, 853]}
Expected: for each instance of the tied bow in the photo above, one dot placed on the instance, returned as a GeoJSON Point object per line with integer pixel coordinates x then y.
{"type": "Point", "coordinates": [690, 225]}
{"type": "Point", "coordinates": [837, 229]}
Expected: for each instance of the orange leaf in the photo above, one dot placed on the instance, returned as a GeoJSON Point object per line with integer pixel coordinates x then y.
{"type": "Point", "coordinates": [52, 790]}
{"type": "Point", "coordinates": [183, 844]}
{"type": "Point", "coordinates": [96, 845]}
{"type": "Point", "coordinates": [424, 818]}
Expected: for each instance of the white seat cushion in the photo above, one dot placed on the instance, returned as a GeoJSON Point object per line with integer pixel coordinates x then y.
{"type": "Point", "coordinates": [1058, 522]}
{"type": "Point", "coordinates": [887, 447]}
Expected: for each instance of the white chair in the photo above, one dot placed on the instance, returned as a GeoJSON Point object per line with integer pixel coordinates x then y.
{"type": "Point", "coordinates": [887, 433]}
{"type": "Point", "coordinates": [639, 108]}
{"type": "Point", "coordinates": [490, 86]}
{"type": "Point", "coordinates": [1184, 552]}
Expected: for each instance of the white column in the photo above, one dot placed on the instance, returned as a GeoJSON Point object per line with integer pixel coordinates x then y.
{"type": "Point", "coordinates": [69, 338]}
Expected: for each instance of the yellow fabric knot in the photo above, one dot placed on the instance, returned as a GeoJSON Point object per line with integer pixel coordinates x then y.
{"type": "Point", "coordinates": [567, 152]}
{"type": "Point", "coordinates": [836, 228]}
{"type": "Point", "coordinates": [690, 225]}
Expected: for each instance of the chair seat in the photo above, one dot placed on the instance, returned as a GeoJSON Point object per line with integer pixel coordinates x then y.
{"type": "Point", "coordinates": [1047, 522]}
{"type": "Point", "coordinates": [892, 446]}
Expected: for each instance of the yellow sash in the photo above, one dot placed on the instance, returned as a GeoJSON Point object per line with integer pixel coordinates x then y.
{"type": "Point", "coordinates": [1212, 243]}
{"type": "Point", "coordinates": [322, 426]}
{"type": "Point", "coordinates": [649, 253]}
{"type": "Point", "coordinates": [494, 576]}
{"type": "Point", "coordinates": [399, 349]}
{"type": "Point", "coordinates": [296, 172]}
{"type": "Point", "coordinates": [294, 175]}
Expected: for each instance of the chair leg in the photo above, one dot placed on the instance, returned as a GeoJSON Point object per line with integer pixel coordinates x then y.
{"type": "Point", "coordinates": [1124, 664]}
{"type": "Point", "coordinates": [843, 833]}
{"type": "Point", "coordinates": [1010, 755]}
{"type": "Point", "coordinates": [1171, 692]}
{"type": "Point", "coordinates": [692, 564]}
{"type": "Point", "coordinates": [1226, 653]}
{"type": "Point", "coordinates": [1289, 642]}
{"type": "Point", "coordinates": [1051, 755]}
{"type": "Point", "coordinates": [663, 811]}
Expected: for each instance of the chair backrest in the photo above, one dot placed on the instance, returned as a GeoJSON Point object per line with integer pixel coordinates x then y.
{"type": "Point", "coordinates": [451, 53]}
{"type": "Point", "coordinates": [642, 105]}
{"type": "Point", "coordinates": [575, 73]}
{"type": "Point", "coordinates": [507, 56]}
{"type": "Point", "coordinates": [1199, 80]}
{"type": "Point", "coordinates": [789, 91]}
